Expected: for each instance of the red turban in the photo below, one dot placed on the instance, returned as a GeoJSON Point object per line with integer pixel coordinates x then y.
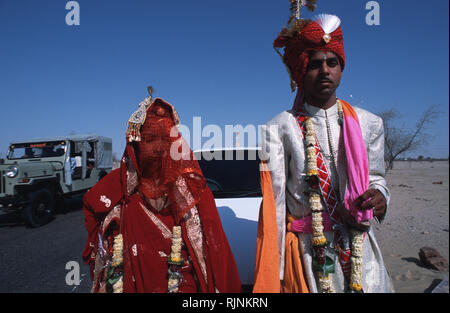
{"type": "Point", "coordinates": [298, 44]}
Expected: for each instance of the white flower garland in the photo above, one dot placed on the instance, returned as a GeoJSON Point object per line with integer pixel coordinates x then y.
{"type": "Point", "coordinates": [318, 237]}
{"type": "Point", "coordinates": [117, 260]}
{"type": "Point", "coordinates": [356, 260]}
{"type": "Point", "coordinates": [175, 259]}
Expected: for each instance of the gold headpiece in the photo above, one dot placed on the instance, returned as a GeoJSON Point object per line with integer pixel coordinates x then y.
{"type": "Point", "coordinates": [137, 119]}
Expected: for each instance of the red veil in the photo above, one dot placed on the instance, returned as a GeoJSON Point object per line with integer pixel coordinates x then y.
{"type": "Point", "coordinates": [116, 202]}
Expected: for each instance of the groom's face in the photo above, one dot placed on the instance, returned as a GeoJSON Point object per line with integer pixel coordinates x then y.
{"type": "Point", "coordinates": [323, 75]}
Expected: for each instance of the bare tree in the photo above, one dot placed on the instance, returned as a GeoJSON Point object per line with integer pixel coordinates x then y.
{"type": "Point", "coordinates": [399, 139]}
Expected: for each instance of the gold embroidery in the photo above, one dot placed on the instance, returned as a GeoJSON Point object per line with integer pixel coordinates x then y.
{"type": "Point", "coordinates": [98, 267]}
{"type": "Point", "coordinates": [114, 213]}
{"type": "Point", "coordinates": [195, 236]}
{"type": "Point", "coordinates": [134, 249]}
{"type": "Point", "coordinates": [132, 178]}
{"type": "Point", "coordinates": [105, 200]}
{"type": "Point", "coordinates": [161, 226]}
{"type": "Point", "coordinates": [183, 196]}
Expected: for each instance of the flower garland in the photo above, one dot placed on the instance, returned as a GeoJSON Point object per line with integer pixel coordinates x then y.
{"type": "Point", "coordinates": [175, 260]}
{"type": "Point", "coordinates": [322, 264]}
{"type": "Point", "coordinates": [356, 261]}
{"type": "Point", "coordinates": [319, 241]}
{"type": "Point", "coordinates": [115, 273]}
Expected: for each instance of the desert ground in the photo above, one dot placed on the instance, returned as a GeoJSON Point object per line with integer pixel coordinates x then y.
{"type": "Point", "coordinates": [418, 216]}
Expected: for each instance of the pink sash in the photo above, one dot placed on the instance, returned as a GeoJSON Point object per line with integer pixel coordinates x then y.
{"type": "Point", "coordinates": [357, 163]}
{"type": "Point", "coordinates": [304, 225]}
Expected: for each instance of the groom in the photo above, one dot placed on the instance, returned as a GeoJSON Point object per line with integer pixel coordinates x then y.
{"type": "Point", "coordinates": [343, 151]}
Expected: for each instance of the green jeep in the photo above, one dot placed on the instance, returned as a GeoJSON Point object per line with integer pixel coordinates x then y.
{"type": "Point", "coordinates": [38, 174]}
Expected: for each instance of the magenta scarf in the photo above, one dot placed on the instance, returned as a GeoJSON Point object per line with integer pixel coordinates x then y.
{"type": "Point", "coordinates": [357, 163]}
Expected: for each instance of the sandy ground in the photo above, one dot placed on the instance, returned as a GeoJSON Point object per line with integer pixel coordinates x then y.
{"type": "Point", "coordinates": [418, 216]}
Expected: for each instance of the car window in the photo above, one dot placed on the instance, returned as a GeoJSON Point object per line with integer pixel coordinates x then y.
{"type": "Point", "coordinates": [235, 175]}
{"type": "Point", "coordinates": [36, 150]}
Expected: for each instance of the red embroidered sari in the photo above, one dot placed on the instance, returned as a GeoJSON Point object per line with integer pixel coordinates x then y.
{"type": "Point", "coordinates": [115, 205]}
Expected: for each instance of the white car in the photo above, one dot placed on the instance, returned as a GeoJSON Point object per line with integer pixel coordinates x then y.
{"type": "Point", "coordinates": [233, 177]}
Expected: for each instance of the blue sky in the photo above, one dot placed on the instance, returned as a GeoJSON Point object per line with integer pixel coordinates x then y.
{"type": "Point", "coordinates": [212, 59]}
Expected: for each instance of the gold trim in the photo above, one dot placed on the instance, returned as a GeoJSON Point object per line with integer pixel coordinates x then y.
{"type": "Point", "coordinates": [165, 231]}
{"type": "Point", "coordinates": [195, 236]}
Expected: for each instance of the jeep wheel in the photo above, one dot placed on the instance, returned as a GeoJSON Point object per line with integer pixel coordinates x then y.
{"type": "Point", "coordinates": [40, 209]}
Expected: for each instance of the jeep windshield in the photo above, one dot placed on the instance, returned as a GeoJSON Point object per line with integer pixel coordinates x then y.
{"type": "Point", "coordinates": [36, 150]}
{"type": "Point", "coordinates": [231, 173]}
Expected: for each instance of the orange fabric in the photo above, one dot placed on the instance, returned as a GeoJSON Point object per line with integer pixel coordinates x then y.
{"type": "Point", "coordinates": [348, 110]}
{"type": "Point", "coordinates": [294, 278]}
{"type": "Point", "coordinates": [267, 265]}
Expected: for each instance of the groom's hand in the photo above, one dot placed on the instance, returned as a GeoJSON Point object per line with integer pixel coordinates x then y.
{"type": "Point", "coordinates": [372, 199]}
